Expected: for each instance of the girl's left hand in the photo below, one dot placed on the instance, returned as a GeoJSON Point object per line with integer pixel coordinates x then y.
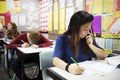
{"type": "Point", "coordinates": [89, 39]}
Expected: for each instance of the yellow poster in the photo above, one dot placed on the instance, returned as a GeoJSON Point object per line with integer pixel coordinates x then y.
{"type": "Point", "coordinates": [55, 15]}
{"type": "Point", "coordinates": [56, 20]}
{"type": "Point", "coordinates": [107, 6]}
{"type": "Point", "coordinates": [17, 8]}
{"type": "Point", "coordinates": [116, 14]}
{"type": "Point", "coordinates": [62, 20]}
{"type": "Point", "coordinates": [97, 6]}
{"type": "Point", "coordinates": [2, 20]}
{"type": "Point", "coordinates": [106, 20]}
{"type": "Point", "coordinates": [89, 6]}
{"type": "Point", "coordinates": [50, 21]}
{"type": "Point", "coordinates": [3, 8]}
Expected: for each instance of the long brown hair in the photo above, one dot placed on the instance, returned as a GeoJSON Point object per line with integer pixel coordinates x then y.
{"type": "Point", "coordinates": [79, 18]}
{"type": "Point", "coordinates": [13, 32]}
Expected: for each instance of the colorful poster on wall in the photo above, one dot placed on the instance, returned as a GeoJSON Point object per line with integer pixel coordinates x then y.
{"type": "Point", "coordinates": [55, 15]}
{"type": "Point", "coordinates": [106, 20]}
{"type": "Point", "coordinates": [30, 15]}
{"type": "Point", "coordinates": [2, 20]}
{"type": "Point", "coordinates": [17, 8]}
{"type": "Point", "coordinates": [97, 24]}
{"type": "Point", "coordinates": [13, 6]}
{"type": "Point", "coordinates": [116, 5]}
{"type": "Point", "coordinates": [44, 15]}
{"type": "Point", "coordinates": [116, 14]}
{"type": "Point", "coordinates": [107, 6]}
{"type": "Point", "coordinates": [96, 6]}
{"type": "Point", "coordinates": [3, 8]}
{"type": "Point", "coordinates": [88, 6]}
{"type": "Point", "coordinates": [10, 4]}
{"type": "Point", "coordinates": [7, 17]}
{"type": "Point", "coordinates": [50, 16]}
{"type": "Point", "coordinates": [114, 27]}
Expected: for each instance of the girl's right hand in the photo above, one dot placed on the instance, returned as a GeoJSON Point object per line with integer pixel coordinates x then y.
{"type": "Point", "coordinates": [74, 69]}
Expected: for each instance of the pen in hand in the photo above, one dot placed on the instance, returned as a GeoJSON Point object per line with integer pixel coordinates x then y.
{"type": "Point", "coordinates": [76, 69]}
{"type": "Point", "coordinates": [74, 61]}
{"type": "Point", "coordinates": [25, 44]}
{"type": "Point", "coordinates": [22, 41]}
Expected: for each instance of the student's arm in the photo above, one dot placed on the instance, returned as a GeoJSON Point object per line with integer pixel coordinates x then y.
{"type": "Point", "coordinates": [16, 42]}
{"type": "Point", "coordinates": [58, 60]}
{"type": "Point", "coordinates": [73, 69]}
{"type": "Point", "coordinates": [59, 63]}
{"type": "Point", "coordinates": [98, 51]}
{"type": "Point", "coordinates": [44, 42]}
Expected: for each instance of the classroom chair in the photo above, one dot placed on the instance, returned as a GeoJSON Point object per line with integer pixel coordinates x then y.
{"type": "Point", "coordinates": [45, 62]}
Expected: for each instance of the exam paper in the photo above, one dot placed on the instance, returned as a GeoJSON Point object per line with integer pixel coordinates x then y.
{"type": "Point", "coordinates": [91, 68]}
{"type": "Point", "coordinates": [70, 76]}
{"type": "Point", "coordinates": [114, 61]}
{"type": "Point", "coordinates": [97, 66]}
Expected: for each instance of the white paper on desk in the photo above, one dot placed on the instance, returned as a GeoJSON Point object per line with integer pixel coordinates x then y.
{"type": "Point", "coordinates": [101, 67]}
{"type": "Point", "coordinates": [70, 76]}
{"type": "Point", "coordinates": [114, 61]}
{"type": "Point", "coordinates": [97, 66]}
{"type": "Point", "coordinates": [91, 68]}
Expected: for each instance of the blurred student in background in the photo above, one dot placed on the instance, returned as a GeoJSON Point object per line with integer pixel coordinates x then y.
{"type": "Point", "coordinates": [34, 40]}
{"type": "Point", "coordinates": [12, 33]}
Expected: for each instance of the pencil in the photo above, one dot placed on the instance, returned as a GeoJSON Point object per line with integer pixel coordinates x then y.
{"type": "Point", "coordinates": [74, 61]}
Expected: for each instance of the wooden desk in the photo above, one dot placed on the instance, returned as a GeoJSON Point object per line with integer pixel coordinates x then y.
{"type": "Point", "coordinates": [58, 74]}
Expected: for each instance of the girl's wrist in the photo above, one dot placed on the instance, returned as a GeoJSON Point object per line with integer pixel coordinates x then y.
{"type": "Point", "coordinates": [67, 67]}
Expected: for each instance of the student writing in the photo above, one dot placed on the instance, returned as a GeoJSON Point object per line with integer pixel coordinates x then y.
{"type": "Point", "coordinates": [23, 40]}
{"type": "Point", "coordinates": [76, 42]}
